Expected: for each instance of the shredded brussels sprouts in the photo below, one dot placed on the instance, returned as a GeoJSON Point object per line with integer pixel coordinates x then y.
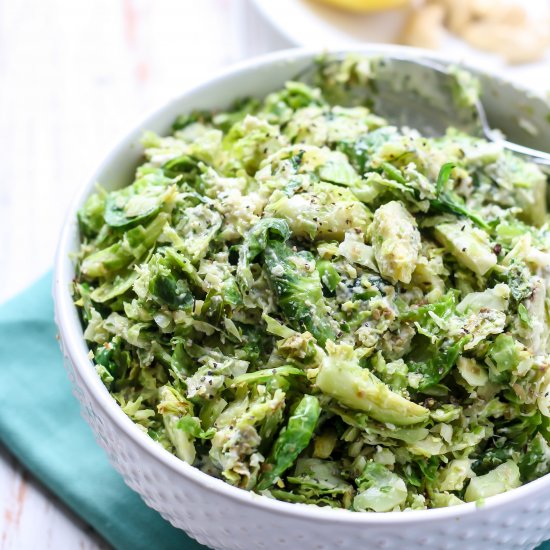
{"type": "Point", "coordinates": [309, 303]}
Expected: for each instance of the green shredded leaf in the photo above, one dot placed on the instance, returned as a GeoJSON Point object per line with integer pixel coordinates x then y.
{"type": "Point", "coordinates": [307, 301]}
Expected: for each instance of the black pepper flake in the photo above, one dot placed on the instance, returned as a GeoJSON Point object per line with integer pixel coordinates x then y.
{"type": "Point", "coordinates": [430, 403]}
{"type": "Point", "coordinates": [464, 249]}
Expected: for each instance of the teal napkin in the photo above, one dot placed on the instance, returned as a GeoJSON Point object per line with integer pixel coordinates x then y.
{"type": "Point", "coordinates": [40, 424]}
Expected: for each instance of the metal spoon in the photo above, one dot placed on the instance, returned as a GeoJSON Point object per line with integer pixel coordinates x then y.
{"type": "Point", "coordinates": [445, 81]}
{"type": "Point", "coordinates": [422, 94]}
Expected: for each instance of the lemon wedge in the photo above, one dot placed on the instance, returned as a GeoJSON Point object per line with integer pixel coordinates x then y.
{"type": "Point", "coordinates": [366, 5]}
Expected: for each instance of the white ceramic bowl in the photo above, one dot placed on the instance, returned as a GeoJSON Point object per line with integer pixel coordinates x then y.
{"type": "Point", "coordinates": [208, 509]}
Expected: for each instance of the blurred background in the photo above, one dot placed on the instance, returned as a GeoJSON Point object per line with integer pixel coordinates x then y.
{"type": "Point", "coordinates": [76, 75]}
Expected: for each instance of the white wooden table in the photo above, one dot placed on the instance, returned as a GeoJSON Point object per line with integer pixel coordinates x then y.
{"type": "Point", "coordinates": [74, 76]}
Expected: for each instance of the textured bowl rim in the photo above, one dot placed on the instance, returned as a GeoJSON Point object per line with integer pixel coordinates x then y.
{"type": "Point", "coordinates": [76, 349]}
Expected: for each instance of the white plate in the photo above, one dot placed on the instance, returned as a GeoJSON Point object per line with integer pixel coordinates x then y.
{"type": "Point", "coordinates": [306, 23]}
